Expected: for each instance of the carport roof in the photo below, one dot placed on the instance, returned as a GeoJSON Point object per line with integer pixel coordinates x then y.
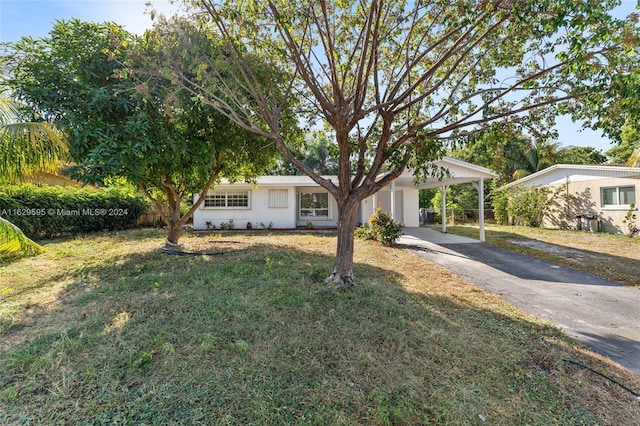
{"type": "Point", "coordinates": [459, 172]}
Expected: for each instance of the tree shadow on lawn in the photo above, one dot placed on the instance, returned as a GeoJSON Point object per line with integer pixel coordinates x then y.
{"type": "Point", "coordinates": [623, 270]}
{"type": "Point", "coordinates": [251, 338]}
{"type": "Point", "coordinates": [522, 265]}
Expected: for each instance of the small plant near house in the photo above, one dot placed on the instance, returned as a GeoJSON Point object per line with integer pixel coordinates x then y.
{"type": "Point", "coordinates": [210, 225]}
{"type": "Point", "coordinates": [227, 226]}
{"type": "Point", "coordinates": [630, 220]}
{"type": "Point", "coordinates": [382, 228]}
{"type": "Point", "coordinates": [268, 226]}
{"type": "Point", "coordinates": [364, 232]}
{"type": "Point", "coordinates": [249, 225]}
{"type": "Point", "coordinates": [309, 225]}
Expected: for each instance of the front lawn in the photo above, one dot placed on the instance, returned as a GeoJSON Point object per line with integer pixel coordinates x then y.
{"type": "Point", "coordinates": [105, 329]}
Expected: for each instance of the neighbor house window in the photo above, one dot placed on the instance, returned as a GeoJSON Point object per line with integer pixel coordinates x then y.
{"type": "Point", "coordinates": [314, 205]}
{"type": "Point", "coordinates": [278, 198]}
{"type": "Point", "coordinates": [227, 199]}
{"type": "Point", "coordinates": [619, 196]}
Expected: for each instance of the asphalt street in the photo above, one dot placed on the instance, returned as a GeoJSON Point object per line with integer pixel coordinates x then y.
{"type": "Point", "coordinates": [602, 314]}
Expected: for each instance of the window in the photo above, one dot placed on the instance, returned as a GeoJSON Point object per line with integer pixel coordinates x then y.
{"type": "Point", "coordinates": [314, 205]}
{"type": "Point", "coordinates": [227, 199]}
{"type": "Point", "coordinates": [618, 196]}
{"type": "Point", "coordinates": [278, 198]}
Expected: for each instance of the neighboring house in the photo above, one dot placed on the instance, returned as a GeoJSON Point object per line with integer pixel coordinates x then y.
{"type": "Point", "coordinates": [286, 202]}
{"type": "Point", "coordinates": [44, 178]}
{"type": "Point", "coordinates": [603, 193]}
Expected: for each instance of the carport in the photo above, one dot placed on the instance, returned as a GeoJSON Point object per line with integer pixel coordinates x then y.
{"type": "Point", "coordinates": [458, 172]}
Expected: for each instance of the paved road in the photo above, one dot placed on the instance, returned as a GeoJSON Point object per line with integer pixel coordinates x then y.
{"type": "Point", "coordinates": [602, 314]}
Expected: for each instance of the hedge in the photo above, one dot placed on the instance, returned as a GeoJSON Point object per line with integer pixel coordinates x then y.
{"type": "Point", "coordinates": [50, 211]}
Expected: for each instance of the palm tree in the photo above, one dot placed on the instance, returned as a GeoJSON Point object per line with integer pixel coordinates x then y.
{"type": "Point", "coordinates": [320, 158]}
{"type": "Point", "coordinates": [634, 160]}
{"type": "Point", "coordinates": [537, 156]}
{"type": "Point", "coordinates": [26, 148]}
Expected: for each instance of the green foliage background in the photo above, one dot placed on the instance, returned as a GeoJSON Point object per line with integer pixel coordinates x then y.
{"type": "Point", "coordinates": [49, 211]}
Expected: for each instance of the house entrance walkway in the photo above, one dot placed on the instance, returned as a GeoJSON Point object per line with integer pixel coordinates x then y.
{"type": "Point", "coordinates": [601, 314]}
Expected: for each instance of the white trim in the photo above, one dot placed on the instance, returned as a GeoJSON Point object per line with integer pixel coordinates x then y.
{"type": "Point", "coordinates": [619, 208]}
{"type": "Point", "coordinates": [319, 190]}
{"type": "Point", "coordinates": [602, 171]}
{"type": "Point", "coordinates": [616, 206]}
{"type": "Point", "coordinates": [227, 207]}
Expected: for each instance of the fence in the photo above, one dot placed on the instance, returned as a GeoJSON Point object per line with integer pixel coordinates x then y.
{"type": "Point", "coordinates": [456, 216]}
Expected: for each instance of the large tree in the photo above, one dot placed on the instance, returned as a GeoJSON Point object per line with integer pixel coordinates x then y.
{"type": "Point", "coordinates": [395, 80]}
{"type": "Point", "coordinates": [123, 118]}
{"type": "Point", "coordinates": [500, 147]}
{"type": "Point", "coordinates": [629, 139]}
{"type": "Point", "coordinates": [616, 111]}
{"type": "Point", "coordinates": [580, 155]}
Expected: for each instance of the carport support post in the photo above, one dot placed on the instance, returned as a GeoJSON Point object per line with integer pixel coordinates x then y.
{"type": "Point", "coordinates": [443, 193]}
{"type": "Point", "coordinates": [480, 187]}
{"type": "Point", "coordinates": [393, 199]}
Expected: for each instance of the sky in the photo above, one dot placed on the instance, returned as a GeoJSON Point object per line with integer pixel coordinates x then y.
{"type": "Point", "coordinates": [35, 18]}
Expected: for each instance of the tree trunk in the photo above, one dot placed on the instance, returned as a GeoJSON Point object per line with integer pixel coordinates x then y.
{"type": "Point", "coordinates": [342, 274]}
{"type": "Point", "coordinates": [174, 222]}
{"type": "Point", "coordinates": [175, 229]}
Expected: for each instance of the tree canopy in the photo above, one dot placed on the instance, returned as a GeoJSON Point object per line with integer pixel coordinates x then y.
{"type": "Point", "coordinates": [396, 80]}
{"type": "Point", "coordinates": [629, 139]}
{"type": "Point", "coordinates": [580, 155]}
{"type": "Point", "coordinates": [104, 88]}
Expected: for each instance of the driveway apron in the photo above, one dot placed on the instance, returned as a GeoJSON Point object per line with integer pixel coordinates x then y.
{"type": "Point", "coordinates": [602, 314]}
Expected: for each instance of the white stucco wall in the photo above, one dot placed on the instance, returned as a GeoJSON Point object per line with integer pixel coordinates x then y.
{"type": "Point", "coordinates": [411, 207]}
{"type": "Point", "coordinates": [406, 211]}
{"type": "Point", "coordinates": [259, 211]}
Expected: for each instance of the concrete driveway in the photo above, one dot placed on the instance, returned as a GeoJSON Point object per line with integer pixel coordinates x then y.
{"type": "Point", "coordinates": [603, 315]}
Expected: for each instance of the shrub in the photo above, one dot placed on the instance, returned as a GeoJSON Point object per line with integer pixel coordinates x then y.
{"type": "Point", "coordinates": [500, 204]}
{"type": "Point", "coordinates": [50, 211]}
{"type": "Point", "coordinates": [364, 232]}
{"type": "Point", "coordinates": [525, 206]}
{"type": "Point", "coordinates": [630, 220]}
{"type": "Point", "coordinates": [383, 228]}
{"type": "Point", "coordinates": [227, 226]}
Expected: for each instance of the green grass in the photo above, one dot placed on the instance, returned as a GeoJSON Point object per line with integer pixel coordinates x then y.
{"type": "Point", "coordinates": [609, 256]}
{"type": "Point", "coordinates": [105, 329]}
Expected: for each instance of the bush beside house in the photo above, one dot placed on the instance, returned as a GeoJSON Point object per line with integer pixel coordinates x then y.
{"type": "Point", "coordinates": [584, 197]}
{"type": "Point", "coordinates": [381, 228]}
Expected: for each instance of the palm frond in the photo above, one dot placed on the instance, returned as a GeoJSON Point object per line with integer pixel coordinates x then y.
{"type": "Point", "coordinates": [634, 160]}
{"type": "Point", "coordinates": [13, 240]}
{"type": "Point", "coordinates": [520, 173]}
{"type": "Point", "coordinates": [27, 148]}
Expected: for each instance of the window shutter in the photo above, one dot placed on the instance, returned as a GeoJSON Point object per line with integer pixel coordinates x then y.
{"type": "Point", "coordinates": [278, 198]}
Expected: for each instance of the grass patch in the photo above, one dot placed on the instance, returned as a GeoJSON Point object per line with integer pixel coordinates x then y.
{"type": "Point", "coordinates": [105, 329]}
{"type": "Point", "coordinates": [612, 257]}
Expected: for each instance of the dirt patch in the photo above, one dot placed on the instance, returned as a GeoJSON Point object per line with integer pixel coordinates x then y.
{"type": "Point", "coordinates": [553, 248]}
{"type": "Point", "coordinates": [212, 247]}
